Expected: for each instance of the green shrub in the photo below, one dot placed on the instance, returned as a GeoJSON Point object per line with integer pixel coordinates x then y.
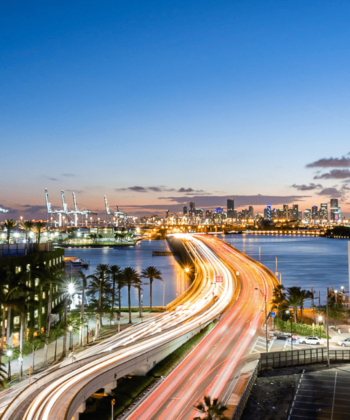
{"type": "Point", "coordinates": [300, 329]}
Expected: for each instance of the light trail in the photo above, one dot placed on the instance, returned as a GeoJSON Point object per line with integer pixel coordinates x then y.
{"type": "Point", "coordinates": [211, 367]}
{"type": "Point", "coordinates": [197, 307]}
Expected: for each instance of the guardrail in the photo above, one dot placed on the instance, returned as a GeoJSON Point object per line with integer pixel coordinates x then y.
{"type": "Point", "coordinates": [287, 358]}
{"type": "Point", "coordinates": [244, 397]}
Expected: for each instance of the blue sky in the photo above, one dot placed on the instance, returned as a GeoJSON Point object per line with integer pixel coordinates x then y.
{"type": "Point", "coordinates": [219, 97]}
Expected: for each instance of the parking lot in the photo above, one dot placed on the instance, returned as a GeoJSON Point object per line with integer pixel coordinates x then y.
{"type": "Point", "coordinates": [322, 395]}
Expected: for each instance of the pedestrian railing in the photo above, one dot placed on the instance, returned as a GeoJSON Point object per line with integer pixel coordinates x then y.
{"type": "Point", "coordinates": [287, 358]}
{"type": "Point", "coordinates": [244, 397]}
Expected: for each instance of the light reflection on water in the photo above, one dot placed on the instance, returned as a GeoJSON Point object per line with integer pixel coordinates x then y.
{"type": "Point", "coordinates": [138, 257]}
{"type": "Point", "coordinates": [303, 261]}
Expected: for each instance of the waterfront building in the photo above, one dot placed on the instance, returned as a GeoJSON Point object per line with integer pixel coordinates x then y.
{"type": "Point", "coordinates": [192, 211]}
{"type": "Point", "coordinates": [184, 210]}
{"type": "Point", "coordinates": [294, 213]}
{"type": "Point", "coordinates": [251, 212]}
{"type": "Point", "coordinates": [285, 212]}
{"type": "Point", "coordinates": [26, 260]}
{"type": "Point", "coordinates": [314, 213]}
{"type": "Point", "coordinates": [208, 214]}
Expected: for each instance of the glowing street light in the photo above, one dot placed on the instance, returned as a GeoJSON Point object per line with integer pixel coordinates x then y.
{"type": "Point", "coordinates": [71, 288]}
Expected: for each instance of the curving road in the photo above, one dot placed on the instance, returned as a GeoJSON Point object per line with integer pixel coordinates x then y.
{"type": "Point", "coordinates": [203, 302]}
{"type": "Point", "coordinates": [213, 366]}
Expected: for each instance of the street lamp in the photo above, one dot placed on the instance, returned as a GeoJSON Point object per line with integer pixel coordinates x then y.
{"type": "Point", "coordinates": [9, 354]}
{"type": "Point", "coordinates": [267, 346]}
{"type": "Point", "coordinates": [291, 329]}
{"type": "Point", "coordinates": [70, 328]}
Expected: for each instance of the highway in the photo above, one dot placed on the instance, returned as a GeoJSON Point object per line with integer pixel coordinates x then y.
{"type": "Point", "coordinates": [213, 366]}
{"type": "Point", "coordinates": [203, 302]}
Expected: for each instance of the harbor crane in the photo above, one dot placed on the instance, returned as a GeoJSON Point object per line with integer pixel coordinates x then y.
{"type": "Point", "coordinates": [119, 215]}
{"type": "Point", "coordinates": [75, 212]}
{"type": "Point", "coordinates": [50, 210]}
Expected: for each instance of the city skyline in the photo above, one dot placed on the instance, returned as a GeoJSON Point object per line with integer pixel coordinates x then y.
{"type": "Point", "coordinates": [156, 105]}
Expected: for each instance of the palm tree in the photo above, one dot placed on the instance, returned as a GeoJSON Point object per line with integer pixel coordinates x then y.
{"type": "Point", "coordinates": [293, 299]}
{"type": "Point", "coordinates": [151, 273]}
{"type": "Point", "coordinates": [212, 410]}
{"type": "Point", "coordinates": [131, 278]}
{"type": "Point", "coordinates": [100, 285]}
{"type": "Point", "coordinates": [83, 286]}
{"type": "Point", "coordinates": [38, 227]}
{"type": "Point", "coordinates": [9, 225]}
{"type": "Point", "coordinates": [114, 271]}
{"type": "Point", "coordinates": [304, 295]}
{"type": "Point", "coordinates": [28, 226]}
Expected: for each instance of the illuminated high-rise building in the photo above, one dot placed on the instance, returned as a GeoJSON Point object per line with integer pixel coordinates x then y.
{"type": "Point", "coordinates": [230, 208]}
{"type": "Point", "coordinates": [267, 213]}
{"type": "Point", "coordinates": [323, 211]}
{"type": "Point", "coordinates": [314, 213]}
{"type": "Point", "coordinates": [334, 209]}
{"type": "Point", "coordinates": [285, 212]}
{"type": "Point", "coordinates": [184, 210]}
{"type": "Point", "coordinates": [308, 215]}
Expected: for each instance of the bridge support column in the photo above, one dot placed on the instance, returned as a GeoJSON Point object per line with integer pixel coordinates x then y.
{"type": "Point", "coordinates": [108, 388]}
{"type": "Point", "coordinates": [81, 409]}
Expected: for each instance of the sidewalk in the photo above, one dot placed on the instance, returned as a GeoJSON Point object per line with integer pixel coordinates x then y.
{"type": "Point", "coordinates": [39, 354]}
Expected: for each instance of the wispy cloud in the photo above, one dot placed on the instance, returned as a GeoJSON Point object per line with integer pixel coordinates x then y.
{"type": "Point", "coordinates": [309, 187]}
{"type": "Point", "coordinates": [335, 174]}
{"type": "Point", "coordinates": [69, 175]}
{"type": "Point", "coordinates": [331, 192]}
{"type": "Point", "coordinates": [330, 163]}
{"type": "Point", "coordinates": [50, 178]}
{"type": "Point", "coordinates": [161, 188]}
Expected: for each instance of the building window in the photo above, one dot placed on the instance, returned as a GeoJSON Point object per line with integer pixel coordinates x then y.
{"type": "Point", "coordinates": [56, 288]}
{"type": "Point", "coordinates": [16, 320]}
{"type": "Point", "coordinates": [43, 295]}
{"type": "Point", "coordinates": [35, 313]}
{"type": "Point", "coordinates": [28, 268]}
{"type": "Point", "coordinates": [36, 282]}
{"type": "Point", "coordinates": [28, 317]}
{"type": "Point", "coordinates": [50, 263]}
{"type": "Point", "coordinates": [36, 297]}
{"type": "Point", "coordinates": [43, 310]}
{"type": "Point", "coordinates": [18, 270]}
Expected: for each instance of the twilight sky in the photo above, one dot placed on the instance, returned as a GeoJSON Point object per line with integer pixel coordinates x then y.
{"type": "Point", "coordinates": [156, 103]}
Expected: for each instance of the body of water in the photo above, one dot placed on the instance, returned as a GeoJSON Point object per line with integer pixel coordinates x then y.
{"type": "Point", "coordinates": [302, 261]}
{"type": "Point", "coordinates": [138, 257]}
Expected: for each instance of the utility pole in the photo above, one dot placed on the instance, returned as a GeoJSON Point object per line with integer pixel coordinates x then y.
{"type": "Point", "coordinates": [328, 362]}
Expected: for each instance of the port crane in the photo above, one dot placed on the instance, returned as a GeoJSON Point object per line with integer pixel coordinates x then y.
{"type": "Point", "coordinates": [119, 215]}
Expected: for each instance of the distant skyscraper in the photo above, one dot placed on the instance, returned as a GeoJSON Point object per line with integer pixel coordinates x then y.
{"type": "Point", "coordinates": [184, 210]}
{"type": "Point", "coordinates": [208, 214]}
{"type": "Point", "coordinates": [308, 215]}
{"type": "Point", "coordinates": [192, 209]}
{"type": "Point", "coordinates": [323, 211]}
{"type": "Point", "coordinates": [267, 213]}
{"type": "Point", "coordinates": [230, 208]}
{"type": "Point", "coordinates": [294, 213]}
{"type": "Point", "coordinates": [251, 212]}
{"type": "Point", "coordinates": [334, 209]}
{"type": "Point", "coordinates": [314, 213]}
{"type": "Point", "coordinates": [167, 213]}
{"type": "Point", "coordinates": [285, 212]}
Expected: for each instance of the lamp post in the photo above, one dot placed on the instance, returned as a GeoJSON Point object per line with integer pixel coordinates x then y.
{"type": "Point", "coordinates": [327, 300]}
{"type": "Point", "coordinates": [291, 329]}
{"type": "Point", "coordinates": [267, 345]}
{"type": "Point", "coordinates": [9, 354]}
{"type": "Point", "coordinates": [70, 328]}
{"type": "Point", "coordinates": [319, 322]}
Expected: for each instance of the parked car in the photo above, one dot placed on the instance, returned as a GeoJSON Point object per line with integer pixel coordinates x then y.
{"type": "Point", "coordinates": [311, 340]}
{"type": "Point", "coordinates": [344, 343]}
{"type": "Point", "coordinates": [281, 336]}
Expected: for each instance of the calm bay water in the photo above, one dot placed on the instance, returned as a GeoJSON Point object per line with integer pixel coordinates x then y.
{"type": "Point", "coordinates": [303, 261]}
{"type": "Point", "coordinates": [138, 257]}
